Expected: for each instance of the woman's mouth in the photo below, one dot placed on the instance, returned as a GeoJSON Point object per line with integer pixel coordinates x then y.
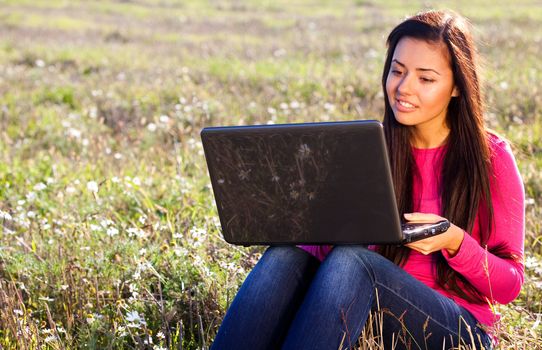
{"type": "Point", "coordinates": [404, 105]}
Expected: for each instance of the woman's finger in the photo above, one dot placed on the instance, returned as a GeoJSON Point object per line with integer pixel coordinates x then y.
{"type": "Point", "coordinates": [422, 217]}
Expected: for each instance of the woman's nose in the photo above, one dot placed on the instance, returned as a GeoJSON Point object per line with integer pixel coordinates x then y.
{"type": "Point", "coordinates": [405, 85]}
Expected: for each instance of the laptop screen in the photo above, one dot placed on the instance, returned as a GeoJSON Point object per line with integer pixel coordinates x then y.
{"type": "Point", "coordinates": [300, 183]}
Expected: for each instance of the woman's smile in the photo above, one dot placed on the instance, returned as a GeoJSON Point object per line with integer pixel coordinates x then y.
{"type": "Point", "coordinates": [404, 106]}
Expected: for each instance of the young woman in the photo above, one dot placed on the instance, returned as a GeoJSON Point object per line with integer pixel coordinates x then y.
{"type": "Point", "coordinates": [436, 293]}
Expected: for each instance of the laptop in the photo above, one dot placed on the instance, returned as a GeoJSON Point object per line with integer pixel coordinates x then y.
{"type": "Point", "coordinates": [308, 183]}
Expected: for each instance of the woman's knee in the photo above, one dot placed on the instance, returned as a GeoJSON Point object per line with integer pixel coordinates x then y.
{"type": "Point", "coordinates": [288, 255]}
{"type": "Point", "coordinates": [345, 262]}
{"type": "Point", "coordinates": [355, 254]}
{"type": "Point", "coordinates": [286, 262]}
{"type": "Point", "coordinates": [361, 260]}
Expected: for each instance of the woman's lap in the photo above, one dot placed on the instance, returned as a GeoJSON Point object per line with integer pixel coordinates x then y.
{"type": "Point", "coordinates": [333, 301]}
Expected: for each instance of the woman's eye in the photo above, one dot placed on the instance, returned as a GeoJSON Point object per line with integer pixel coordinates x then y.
{"type": "Point", "coordinates": [427, 80]}
{"type": "Point", "coordinates": [396, 72]}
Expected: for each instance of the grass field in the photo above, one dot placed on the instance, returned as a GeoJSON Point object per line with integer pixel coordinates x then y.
{"type": "Point", "coordinates": [109, 236]}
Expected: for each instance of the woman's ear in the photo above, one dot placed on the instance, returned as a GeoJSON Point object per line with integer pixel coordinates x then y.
{"type": "Point", "coordinates": [455, 91]}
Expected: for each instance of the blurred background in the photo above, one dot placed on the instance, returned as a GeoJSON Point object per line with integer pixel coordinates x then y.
{"type": "Point", "coordinates": [109, 236]}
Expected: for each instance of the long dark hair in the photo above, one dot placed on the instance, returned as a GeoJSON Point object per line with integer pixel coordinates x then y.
{"type": "Point", "coordinates": [465, 180]}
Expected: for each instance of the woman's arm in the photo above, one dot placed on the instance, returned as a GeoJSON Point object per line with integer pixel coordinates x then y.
{"type": "Point", "coordinates": [499, 279]}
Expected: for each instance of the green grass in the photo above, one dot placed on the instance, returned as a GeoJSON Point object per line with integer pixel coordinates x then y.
{"type": "Point", "coordinates": [108, 229]}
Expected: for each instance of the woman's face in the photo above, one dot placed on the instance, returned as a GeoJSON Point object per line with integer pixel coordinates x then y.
{"type": "Point", "coordinates": [420, 84]}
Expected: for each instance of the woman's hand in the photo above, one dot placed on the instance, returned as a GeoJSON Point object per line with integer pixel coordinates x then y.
{"type": "Point", "coordinates": [450, 240]}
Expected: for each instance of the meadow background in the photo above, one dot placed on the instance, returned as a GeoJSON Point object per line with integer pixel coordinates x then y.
{"type": "Point", "coordinates": [109, 237]}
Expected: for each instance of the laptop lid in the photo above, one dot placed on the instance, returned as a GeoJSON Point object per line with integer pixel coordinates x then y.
{"type": "Point", "coordinates": [310, 183]}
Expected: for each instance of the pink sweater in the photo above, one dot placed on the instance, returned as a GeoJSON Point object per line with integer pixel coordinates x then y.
{"type": "Point", "coordinates": [499, 280]}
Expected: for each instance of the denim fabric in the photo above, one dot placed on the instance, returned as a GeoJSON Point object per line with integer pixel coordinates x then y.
{"type": "Point", "coordinates": [291, 301]}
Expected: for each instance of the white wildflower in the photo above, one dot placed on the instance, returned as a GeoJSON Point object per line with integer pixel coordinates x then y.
{"type": "Point", "coordinates": [197, 232]}
{"type": "Point", "coordinates": [75, 133]}
{"type": "Point", "coordinates": [177, 235]}
{"type": "Point", "coordinates": [164, 119]}
{"type": "Point", "coordinates": [151, 127]}
{"type": "Point", "coordinates": [40, 186]}
{"type": "Point", "coordinates": [5, 216]}
{"type": "Point", "coordinates": [191, 142]}
{"type": "Point", "coordinates": [106, 223]}
{"type": "Point", "coordinates": [112, 231]}
{"type": "Point", "coordinates": [31, 196]}
{"type": "Point", "coordinates": [121, 331]}
{"type": "Point", "coordinates": [531, 262]}
{"type": "Point", "coordinates": [134, 231]}
{"type": "Point", "coordinates": [180, 251]}
{"type": "Point", "coordinates": [90, 318]}
{"type": "Point", "coordinates": [50, 339]}
{"type": "Point", "coordinates": [135, 320]}
{"type": "Point", "coordinates": [18, 312]}
{"type": "Point", "coordinates": [92, 186]}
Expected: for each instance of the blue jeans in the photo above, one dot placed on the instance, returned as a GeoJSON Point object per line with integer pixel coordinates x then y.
{"type": "Point", "coordinates": [292, 301]}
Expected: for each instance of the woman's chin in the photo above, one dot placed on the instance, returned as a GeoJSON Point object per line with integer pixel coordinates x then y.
{"type": "Point", "coordinates": [404, 120]}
